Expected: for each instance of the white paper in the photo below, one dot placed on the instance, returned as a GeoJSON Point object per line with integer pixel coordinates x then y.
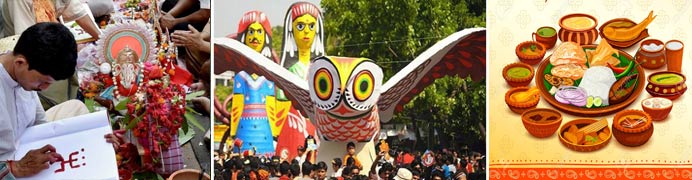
{"type": "Point", "coordinates": [80, 140]}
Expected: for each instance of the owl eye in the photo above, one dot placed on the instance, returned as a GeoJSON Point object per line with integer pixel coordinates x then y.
{"type": "Point", "coordinates": [325, 85]}
{"type": "Point", "coordinates": [363, 88]}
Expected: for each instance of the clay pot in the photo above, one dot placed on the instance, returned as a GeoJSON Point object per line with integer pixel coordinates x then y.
{"type": "Point", "coordinates": [516, 81]}
{"type": "Point", "coordinates": [584, 36]}
{"type": "Point", "coordinates": [544, 126]}
{"type": "Point", "coordinates": [657, 107]}
{"type": "Point", "coordinates": [670, 91]}
{"type": "Point", "coordinates": [530, 59]}
{"type": "Point", "coordinates": [651, 59]}
{"type": "Point", "coordinates": [185, 174]}
{"type": "Point", "coordinates": [547, 41]}
{"type": "Point", "coordinates": [632, 136]}
{"type": "Point", "coordinates": [517, 107]}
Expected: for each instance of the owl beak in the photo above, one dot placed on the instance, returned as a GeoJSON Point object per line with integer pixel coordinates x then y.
{"type": "Point", "coordinates": [342, 110]}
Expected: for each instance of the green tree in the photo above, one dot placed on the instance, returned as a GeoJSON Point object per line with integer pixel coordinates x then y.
{"type": "Point", "coordinates": [393, 33]}
{"type": "Point", "coordinates": [277, 39]}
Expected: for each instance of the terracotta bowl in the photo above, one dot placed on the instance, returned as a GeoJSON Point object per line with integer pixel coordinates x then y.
{"type": "Point", "coordinates": [651, 59]}
{"type": "Point", "coordinates": [583, 148]}
{"type": "Point", "coordinates": [636, 135]}
{"type": "Point", "coordinates": [514, 81]}
{"type": "Point", "coordinates": [530, 59]}
{"type": "Point", "coordinates": [657, 107]}
{"type": "Point", "coordinates": [519, 108]}
{"type": "Point", "coordinates": [670, 91]}
{"type": "Point", "coordinates": [548, 42]}
{"type": "Point", "coordinates": [581, 36]}
{"type": "Point", "coordinates": [185, 174]}
{"type": "Point", "coordinates": [541, 122]}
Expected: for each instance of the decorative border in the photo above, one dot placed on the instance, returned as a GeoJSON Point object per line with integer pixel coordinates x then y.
{"type": "Point", "coordinates": [585, 162]}
{"type": "Point", "coordinates": [591, 173]}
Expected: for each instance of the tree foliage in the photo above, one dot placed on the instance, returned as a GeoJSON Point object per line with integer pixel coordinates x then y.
{"type": "Point", "coordinates": [393, 33]}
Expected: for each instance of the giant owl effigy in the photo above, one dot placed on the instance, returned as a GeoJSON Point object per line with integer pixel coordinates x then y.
{"type": "Point", "coordinates": [346, 98]}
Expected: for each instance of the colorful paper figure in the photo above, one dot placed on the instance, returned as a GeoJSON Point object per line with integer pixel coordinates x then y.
{"type": "Point", "coordinates": [255, 31]}
{"type": "Point", "coordinates": [346, 97]}
{"type": "Point", "coordinates": [303, 41]}
{"type": "Point", "coordinates": [249, 111]}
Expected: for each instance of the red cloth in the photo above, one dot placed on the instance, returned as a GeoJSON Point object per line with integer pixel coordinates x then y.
{"type": "Point", "coordinates": [408, 158]}
{"type": "Point", "coordinates": [293, 134]}
{"type": "Point", "coordinates": [181, 76]}
{"type": "Point", "coordinates": [469, 168]}
{"type": "Point", "coordinates": [284, 177]}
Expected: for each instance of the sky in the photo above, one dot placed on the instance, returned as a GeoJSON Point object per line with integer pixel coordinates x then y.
{"type": "Point", "coordinates": [227, 13]}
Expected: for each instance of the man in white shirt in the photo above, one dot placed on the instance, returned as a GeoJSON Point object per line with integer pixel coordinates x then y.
{"type": "Point", "coordinates": [44, 53]}
{"type": "Point", "coordinates": [17, 15]}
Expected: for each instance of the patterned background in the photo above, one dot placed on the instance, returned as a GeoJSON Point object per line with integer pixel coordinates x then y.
{"type": "Point", "coordinates": [511, 22]}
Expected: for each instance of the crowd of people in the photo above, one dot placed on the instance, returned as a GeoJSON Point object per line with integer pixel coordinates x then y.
{"type": "Point", "coordinates": [399, 164]}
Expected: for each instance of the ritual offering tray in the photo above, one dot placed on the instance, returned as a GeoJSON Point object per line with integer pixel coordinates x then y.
{"type": "Point", "coordinates": [530, 52]}
{"type": "Point", "coordinates": [541, 122]}
{"type": "Point", "coordinates": [632, 127]}
{"type": "Point", "coordinates": [518, 74]}
{"type": "Point", "coordinates": [585, 135]}
{"type": "Point", "coordinates": [590, 80]}
{"type": "Point", "coordinates": [520, 99]}
{"type": "Point", "coordinates": [622, 23]}
{"type": "Point", "coordinates": [667, 84]}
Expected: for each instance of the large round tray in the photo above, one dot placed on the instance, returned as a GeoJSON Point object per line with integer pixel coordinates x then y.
{"type": "Point", "coordinates": [589, 112]}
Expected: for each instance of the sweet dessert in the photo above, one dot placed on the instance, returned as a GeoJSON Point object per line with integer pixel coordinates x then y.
{"type": "Point", "coordinates": [657, 107]}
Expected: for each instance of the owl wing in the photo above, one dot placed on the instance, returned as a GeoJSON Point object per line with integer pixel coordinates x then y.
{"type": "Point", "coordinates": [231, 55]}
{"type": "Point", "coordinates": [461, 54]}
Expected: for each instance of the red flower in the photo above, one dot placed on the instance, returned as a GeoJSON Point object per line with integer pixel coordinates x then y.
{"type": "Point", "coordinates": [155, 73]}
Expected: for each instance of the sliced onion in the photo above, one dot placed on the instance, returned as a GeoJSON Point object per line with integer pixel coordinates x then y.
{"type": "Point", "coordinates": [571, 95]}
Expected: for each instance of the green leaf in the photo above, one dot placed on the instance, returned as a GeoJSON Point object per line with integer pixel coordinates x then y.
{"type": "Point", "coordinates": [194, 95]}
{"type": "Point", "coordinates": [185, 135]}
{"type": "Point", "coordinates": [191, 119]}
{"type": "Point", "coordinates": [90, 104]}
{"type": "Point", "coordinates": [184, 126]}
{"type": "Point", "coordinates": [131, 124]}
{"type": "Point", "coordinates": [122, 105]}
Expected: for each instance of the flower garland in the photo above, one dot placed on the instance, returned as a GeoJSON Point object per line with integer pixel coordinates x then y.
{"type": "Point", "coordinates": [157, 116]}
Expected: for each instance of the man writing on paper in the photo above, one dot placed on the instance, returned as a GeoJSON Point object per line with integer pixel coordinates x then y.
{"type": "Point", "coordinates": [44, 53]}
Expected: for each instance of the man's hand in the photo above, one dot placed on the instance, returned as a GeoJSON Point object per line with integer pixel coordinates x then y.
{"type": "Point", "coordinates": [167, 20]}
{"type": "Point", "coordinates": [35, 161]}
{"type": "Point", "coordinates": [116, 138]}
{"type": "Point", "coordinates": [189, 39]}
